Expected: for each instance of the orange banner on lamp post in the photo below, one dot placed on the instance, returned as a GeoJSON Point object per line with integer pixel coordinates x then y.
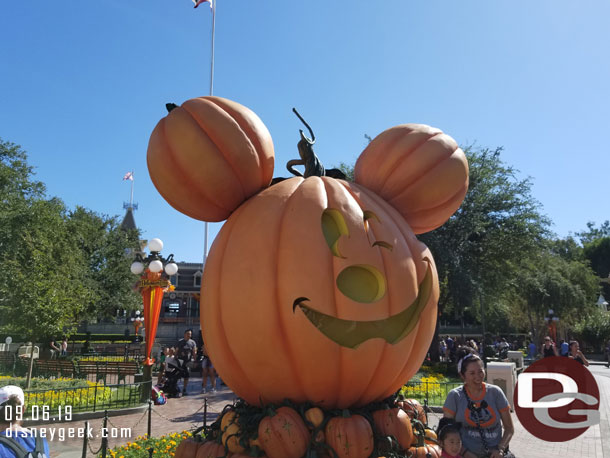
{"type": "Point", "coordinates": [152, 286]}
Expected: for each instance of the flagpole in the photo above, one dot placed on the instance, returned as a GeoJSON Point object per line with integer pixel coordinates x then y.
{"type": "Point", "coordinates": [205, 242]}
{"type": "Point", "coordinates": [131, 196]}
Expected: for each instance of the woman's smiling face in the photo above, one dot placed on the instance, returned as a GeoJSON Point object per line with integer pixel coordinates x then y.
{"type": "Point", "coordinates": [474, 374]}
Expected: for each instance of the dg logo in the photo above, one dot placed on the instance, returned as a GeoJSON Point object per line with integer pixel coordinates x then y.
{"type": "Point", "coordinates": [557, 399]}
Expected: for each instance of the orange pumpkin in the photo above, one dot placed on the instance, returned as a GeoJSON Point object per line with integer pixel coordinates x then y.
{"type": "Point", "coordinates": [395, 422]}
{"type": "Point", "coordinates": [210, 450]}
{"type": "Point", "coordinates": [414, 409]}
{"type": "Point", "coordinates": [210, 155]}
{"type": "Point", "coordinates": [283, 434]}
{"type": "Point", "coordinates": [425, 451]}
{"type": "Point", "coordinates": [187, 448]}
{"type": "Point", "coordinates": [431, 437]}
{"type": "Point", "coordinates": [419, 170]}
{"type": "Point", "coordinates": [350, 436]}
{"type": "Point", "coordinates": [376, 290]}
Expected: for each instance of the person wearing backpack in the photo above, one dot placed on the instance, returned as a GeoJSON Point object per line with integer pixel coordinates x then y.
{"type": "Point", "coordinates": [16, 441]}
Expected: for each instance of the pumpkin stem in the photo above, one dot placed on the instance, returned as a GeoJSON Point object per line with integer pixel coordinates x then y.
{"type": "Point", "coordinates": [170, 107]}
{"type": "Point", "coordinates": [308, 159]}
{"type": "Point", "coordinates": [313, 137]}
{"type": "Point", "coordinates": [313, 166]}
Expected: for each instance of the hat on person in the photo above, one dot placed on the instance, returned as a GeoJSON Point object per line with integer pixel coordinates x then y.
{"type": "Point", "coordinates": [11, 390]}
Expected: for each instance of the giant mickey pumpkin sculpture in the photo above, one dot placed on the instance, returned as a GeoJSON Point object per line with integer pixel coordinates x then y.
{"type": "Point", "coordinates": [316, 288]}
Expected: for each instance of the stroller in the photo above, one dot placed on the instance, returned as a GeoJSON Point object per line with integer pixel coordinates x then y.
{"type": "Point", "coordinates": [175, 369]}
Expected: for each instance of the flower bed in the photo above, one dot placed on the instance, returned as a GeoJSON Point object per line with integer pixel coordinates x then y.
{"type": "Point", "coordinates": [163, 447]}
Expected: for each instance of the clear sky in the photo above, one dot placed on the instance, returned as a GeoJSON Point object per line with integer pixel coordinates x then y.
{"type": "Point", "coordinates": [84, 83]}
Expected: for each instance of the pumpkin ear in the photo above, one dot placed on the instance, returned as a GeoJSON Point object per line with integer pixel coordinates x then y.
{"type": "Point", "coordinates": [208, 156]}
{"type": "Point", "coordinates": [419, 170]}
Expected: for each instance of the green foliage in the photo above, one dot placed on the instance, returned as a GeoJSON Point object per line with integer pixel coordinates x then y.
{"type": "Point", "coordinates": [106, 250]}
{"type": "Point", "coordinates": [348, 170]}
{"type": "Point", "coordinates": [59, 267]}
{"type": "Point", "coordinates": [598, 253]}
{"type": "Point", "coordinates": [594, 329]}
{"type": "Point", "coordinates": [547, 281]}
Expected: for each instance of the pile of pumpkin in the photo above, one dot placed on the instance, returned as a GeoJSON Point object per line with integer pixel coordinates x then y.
{"type": "Point", "coordinates": [395, 428]}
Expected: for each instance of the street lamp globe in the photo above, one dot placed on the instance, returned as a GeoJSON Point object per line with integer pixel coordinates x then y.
{"type": "Point", "coordinates": [155, 245]}
{"type": "Point", "coordinates": [155, 266]}
{"type": "Point", "coordinates": [137, 268]}
{"type": "Point", "coordinates": [171, 269]}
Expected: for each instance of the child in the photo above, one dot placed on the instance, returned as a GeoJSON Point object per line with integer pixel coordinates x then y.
{"type": "Point", "coordinates": [449, 438]}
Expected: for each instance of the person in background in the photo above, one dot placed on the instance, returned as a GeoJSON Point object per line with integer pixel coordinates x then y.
{"type": "Point", "coordinates": [576, 354]}
{"type": "Point", "coordinates": [564, 348]}
{"type": "Point", "coordinates": [162, 357]}
{"type": "Point", "coordinates": [548, 348]}
{"type": "Point", "coordinates": [472, 344]}
{"type": "Point", "coordinates": [207, 370]}
{"type": "Point", "coordinates": [481, 408]}
{"type": "Point", "coordinates": [531, 350]}
{"type": "Point", "coordinates": [442, 349]}
{"type": "Point", "coordinates": [186, 350]}
{"type": "Point", "coordinates": [14, 439]}
{"type": "Point", "coordinates": [53, 349]}
{"type": "Point", "coordinates": [608, 354]}
{"type": "Point", "coordinates": [64, 346]}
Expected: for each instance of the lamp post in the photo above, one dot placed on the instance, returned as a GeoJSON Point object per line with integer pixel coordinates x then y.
{"type": "Point", "coordinates": [137, 322]}
{"type": "Point", "coordinates": [154, 271]}
{"type": "Point", "coordinates": [552, 322]}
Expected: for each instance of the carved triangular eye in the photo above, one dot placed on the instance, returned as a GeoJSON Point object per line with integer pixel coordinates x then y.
{"type": "Point", "coordinates": [366, 216]}
{"type": "Point", "coordinates": [334, 227]}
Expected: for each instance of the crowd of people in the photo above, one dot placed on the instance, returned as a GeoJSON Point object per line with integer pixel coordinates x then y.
{"type": "Point", "coordinates": [500, 347]}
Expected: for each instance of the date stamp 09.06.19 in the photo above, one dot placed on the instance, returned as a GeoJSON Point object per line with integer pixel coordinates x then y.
{"type": "Point", "coordinates": [37, 413]}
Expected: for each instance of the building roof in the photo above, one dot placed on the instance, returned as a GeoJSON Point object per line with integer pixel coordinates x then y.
{"type": "Point", "coordinates": [129, 221]}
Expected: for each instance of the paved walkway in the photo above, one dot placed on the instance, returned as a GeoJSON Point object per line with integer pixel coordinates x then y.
{"type": "Point", "coordinates": [187, 413]}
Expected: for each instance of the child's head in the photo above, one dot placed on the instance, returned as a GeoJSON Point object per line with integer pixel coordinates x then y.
{"type": "Point", "coordinates": [449, 436]}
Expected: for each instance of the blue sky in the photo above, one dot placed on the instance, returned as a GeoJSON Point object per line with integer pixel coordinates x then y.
{"type": "Point", "coordinates": [84, 83]}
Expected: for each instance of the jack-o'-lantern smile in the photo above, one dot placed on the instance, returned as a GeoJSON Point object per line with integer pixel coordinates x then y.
{"type": "Point", "coordinates": [352, 333]}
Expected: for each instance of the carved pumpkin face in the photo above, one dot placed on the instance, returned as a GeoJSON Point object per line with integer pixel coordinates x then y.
{"type": "Point", "coordinates": [370, 288]}
{"type": "Point", "coordinates": [315, 289]}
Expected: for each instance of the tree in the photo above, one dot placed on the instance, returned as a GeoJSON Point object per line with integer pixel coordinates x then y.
{"type": "Point", "coordinates": [594, 329]}
{"type": "Point", "coordinates": [549, 281]}
{"type": "Point", "coordinates": [106, 248]}
{"type": "Point", "coordinates": [58, 266]}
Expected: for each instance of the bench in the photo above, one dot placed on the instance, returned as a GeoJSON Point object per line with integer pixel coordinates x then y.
{"type": "Point", "coordinates": [56, 368]}
{"type": "Point", "coordinates": [120, 369]}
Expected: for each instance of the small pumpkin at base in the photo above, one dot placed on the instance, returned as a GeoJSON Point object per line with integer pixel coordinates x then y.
{"type": "Point", "coordinates": [414, 409]}
{"type": "Point", "coordinates": [350, 436]}
{"type": "Point", "coordinates": [425, 451]}
{"type": "Point", "coordinates": [187, 448]}
{"type": "Point", "coordinates": [210, 450]}
{"type": "Point", "coordinates": [395, 422]}
{"type": "Point", "coordinates": [283, 434]}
